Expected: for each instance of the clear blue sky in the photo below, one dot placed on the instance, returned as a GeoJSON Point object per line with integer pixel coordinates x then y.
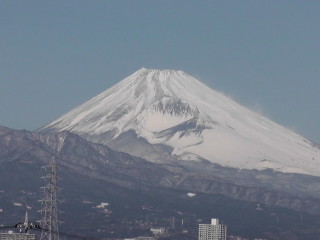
{"type": "Point", "coordinates": [57, 54]}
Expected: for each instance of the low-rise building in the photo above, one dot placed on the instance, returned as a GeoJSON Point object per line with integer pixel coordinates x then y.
{"type": "Point", "coordinates": [141, 238]}
{"type": "Point", "coordinates": [160, 231]}
{"type": "Point", "coordinates": [10, 235]}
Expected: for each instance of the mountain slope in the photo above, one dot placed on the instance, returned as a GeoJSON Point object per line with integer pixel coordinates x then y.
{"type": "Point", "coordinates": [111, 194]}
{"type": "Point", "coordinates": [161, 115]}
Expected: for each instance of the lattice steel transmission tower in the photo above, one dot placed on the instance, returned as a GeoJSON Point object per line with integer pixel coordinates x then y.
{"type": "Point", "coordinates": [49, 222]}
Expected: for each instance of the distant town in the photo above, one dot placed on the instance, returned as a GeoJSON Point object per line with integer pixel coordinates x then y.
{"type": "Point", "coordinates": [206, 231]}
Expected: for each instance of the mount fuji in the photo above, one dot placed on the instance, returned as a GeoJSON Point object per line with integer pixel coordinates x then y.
{"type": "Point", "coordinates": [164, 115]}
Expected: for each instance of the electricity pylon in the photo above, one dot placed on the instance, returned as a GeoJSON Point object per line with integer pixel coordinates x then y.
{"type": "Point", "coordinates": [49, 222]}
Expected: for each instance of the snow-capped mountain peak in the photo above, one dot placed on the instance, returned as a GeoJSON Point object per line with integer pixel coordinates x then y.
{"type": "Point", "coordinates": [173, 109]}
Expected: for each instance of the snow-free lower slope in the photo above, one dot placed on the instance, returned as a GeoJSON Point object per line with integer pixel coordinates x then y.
{"type": "Point", "coordinates": [172, 108]}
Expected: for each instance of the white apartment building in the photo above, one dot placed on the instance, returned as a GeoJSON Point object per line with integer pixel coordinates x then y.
{"type": "Point", "coordinates": [213, 231]}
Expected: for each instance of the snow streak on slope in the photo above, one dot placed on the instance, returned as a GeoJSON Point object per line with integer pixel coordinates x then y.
{"type": "Point", "coordinates": [172, 108]}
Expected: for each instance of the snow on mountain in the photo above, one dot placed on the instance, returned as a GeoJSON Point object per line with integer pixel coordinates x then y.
{"type": "Point", "coordinates": [172, 108]}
